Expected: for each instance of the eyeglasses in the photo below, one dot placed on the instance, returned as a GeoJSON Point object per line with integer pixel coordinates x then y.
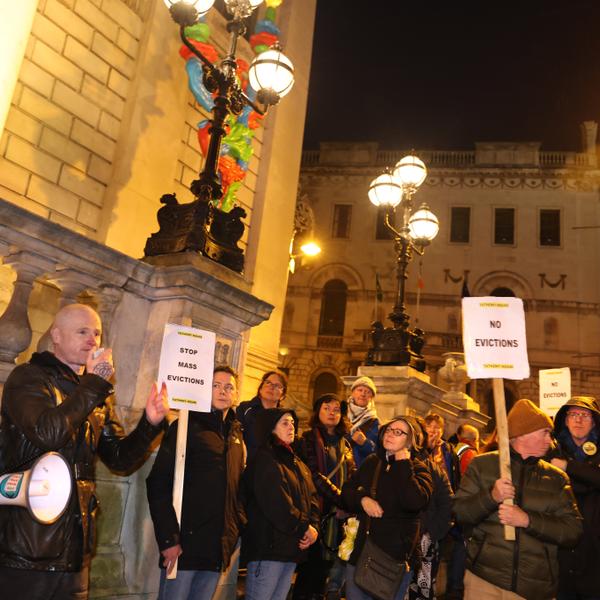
{"type": "Point", "coordinates": [582, 416]}
{"type": "Point", "coordinates": [395, 432]}
{"type": "Point", "coordinates": [332, 411]}
{"type": "Point", "coordinates": [227, 388]}
{"type": "Point", "coordinates": [275, 386]}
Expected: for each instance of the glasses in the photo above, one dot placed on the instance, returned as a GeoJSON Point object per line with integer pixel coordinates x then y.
{"type": "Point", "coordinates": [395, 432]}
{"type": "Point", "coordinates": [227, 388]}
{"type": "Point", "coordinates": [582, 416]}
{"type": "Point", "coordinates": [275, 386]}
{"type": "Point", "coordinates": [332, 411]}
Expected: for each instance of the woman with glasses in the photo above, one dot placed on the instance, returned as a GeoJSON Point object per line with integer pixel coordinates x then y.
{"type": "Point", "coordinates": [326, 450]}
{"type": "Point", "coordinates": [402, 490]}
{"type": "Point", "coordinates": [271, 393]}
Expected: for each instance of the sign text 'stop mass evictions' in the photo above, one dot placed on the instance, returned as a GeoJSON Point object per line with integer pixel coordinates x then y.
{"type": "Point", "coordinates": [186, 366]}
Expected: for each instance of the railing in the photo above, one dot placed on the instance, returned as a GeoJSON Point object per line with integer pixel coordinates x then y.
{"type": "Point", "coordinates": [449, 159]}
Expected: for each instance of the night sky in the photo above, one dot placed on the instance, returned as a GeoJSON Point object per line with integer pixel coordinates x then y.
{"type": "Point", "coordinates": [442, 75]}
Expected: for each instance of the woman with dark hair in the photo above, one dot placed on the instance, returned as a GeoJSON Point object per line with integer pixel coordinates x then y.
{"type": "Point", "coordinates": [282, 508]}
{"type": "Point", "coordinates": [403, 488]}
{"type": "Point", "coordinates": [326, 450]}
{"type": "Point", "coordinates": [270, 394]}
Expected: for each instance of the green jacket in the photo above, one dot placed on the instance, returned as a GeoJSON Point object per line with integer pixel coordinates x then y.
{"type": "Point", "coordinates": [529, 565]}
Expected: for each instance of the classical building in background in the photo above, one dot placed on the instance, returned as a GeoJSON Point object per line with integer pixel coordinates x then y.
{"type": "Point", "coordinates": [97, 123]}
{"type": "Point", "coordinates": [514, 220]}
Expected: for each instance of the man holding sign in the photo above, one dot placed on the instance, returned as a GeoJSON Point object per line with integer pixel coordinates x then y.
{"type": "Point", "coordinates": [211, 514]}
{"type": "Point", "coordinates": [544, 515]}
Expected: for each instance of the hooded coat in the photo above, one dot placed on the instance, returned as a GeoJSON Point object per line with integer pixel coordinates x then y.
{"type": "Point", "coordinates": [281, 500]}
{"type": "Point", "coordinates": [580, 566]}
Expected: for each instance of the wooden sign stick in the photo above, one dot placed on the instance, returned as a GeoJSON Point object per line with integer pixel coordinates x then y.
{"type": "Point", "coordinates": [180, 450]}
{"type": "Point", "coordinates": [503, 445]}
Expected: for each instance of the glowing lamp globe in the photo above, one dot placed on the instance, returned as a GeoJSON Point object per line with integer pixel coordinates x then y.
{"type": "Point", "coordinates": [385, 190]}
{"type": "Point", "coordinates": [411, 171]}
{"type": "Point", "coordinates": [310, 249]}
{"type": "Point", "coordinates": [271, 76]}
{"type": "Point", "coordinates": [423, 225]}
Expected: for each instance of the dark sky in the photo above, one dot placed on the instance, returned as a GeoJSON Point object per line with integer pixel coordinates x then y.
{"type": "Point", "coordinates": [444, 74]}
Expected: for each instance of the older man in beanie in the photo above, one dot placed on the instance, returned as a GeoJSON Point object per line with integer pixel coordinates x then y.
{"type": "Point", "coordinates": [544, 514]}
{"type": "Point", "coordinates": [363, 418]}
{"type": "Point", "coordinates": [577, 430]}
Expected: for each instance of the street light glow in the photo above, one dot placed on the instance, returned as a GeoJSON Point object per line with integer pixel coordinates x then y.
{"type": "Point", "coordinates": [423, 225]}
{"type": "Point", "coordinates": [411, 171]}
{"type": "Point", "coordinates": [310, 249]}
{"type": "Point", "coordinates": [385, 190]}
{"type": "Point", "coordinates": [271, 75]}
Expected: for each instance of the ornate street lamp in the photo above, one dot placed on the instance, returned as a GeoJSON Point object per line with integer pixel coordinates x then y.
{"type": "Point", "coordinates": [200, 225]}
{"type": "Point", "coordinates": [399, 345]}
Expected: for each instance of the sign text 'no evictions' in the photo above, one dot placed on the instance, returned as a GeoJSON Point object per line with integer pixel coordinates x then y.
{"type": "Point", "coordinates": [494, 338]}
{"type": "Point", "coordinates": [186, 366]}
{"type": "Point", "coordinates": [555, 389]}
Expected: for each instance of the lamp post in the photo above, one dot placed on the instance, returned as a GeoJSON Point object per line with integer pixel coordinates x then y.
{"type": "Point", "coordinates": [199, 225]}
{"type": "Point", "coordinates": [394, 190]}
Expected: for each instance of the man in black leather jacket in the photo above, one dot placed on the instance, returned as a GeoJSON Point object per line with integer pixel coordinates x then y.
{"type": "Point", "coordinates": [59, 402]}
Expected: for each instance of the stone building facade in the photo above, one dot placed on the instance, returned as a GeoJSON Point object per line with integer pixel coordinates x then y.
{"type": "Point", "coordinates": [96, 124]}
{"type": "Point", "coordinates": [514, 220]}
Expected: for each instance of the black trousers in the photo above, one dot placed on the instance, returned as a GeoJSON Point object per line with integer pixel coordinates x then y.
{"type": "Point", "coordinates": [44, 585]}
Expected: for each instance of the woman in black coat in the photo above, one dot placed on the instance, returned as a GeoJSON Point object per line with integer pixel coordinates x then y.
{"type": "Point", "coordinates": [403, 490]}
{"type": "Point", "coordinates": [282, 508]}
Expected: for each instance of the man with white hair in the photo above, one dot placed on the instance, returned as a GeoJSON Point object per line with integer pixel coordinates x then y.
{"type": "Point", "coordinates": [544, 515]}
{"type": "Point", "coordinates": [58, 401]}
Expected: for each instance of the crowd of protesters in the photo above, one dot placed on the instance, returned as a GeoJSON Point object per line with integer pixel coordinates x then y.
{"type": "Point", "coordinates": [307, 516]}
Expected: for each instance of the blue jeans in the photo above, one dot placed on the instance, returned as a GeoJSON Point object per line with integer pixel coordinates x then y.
{"type": "Point", "coordinates": [353, 592]}
{"type": "Point", "coordinates": [269, 579]}
{"type": "Point", "coordinates": [337, 576]}
{"type": "Point", "coordinates": [188, 585]}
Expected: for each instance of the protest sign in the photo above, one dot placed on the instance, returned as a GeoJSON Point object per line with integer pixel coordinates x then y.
{"type": "Point", "coordinates": [494, 338]}
{"type": "Point", "coordinates": [555, 389]}
{"type": "Point", "coordinates": [186, 366]}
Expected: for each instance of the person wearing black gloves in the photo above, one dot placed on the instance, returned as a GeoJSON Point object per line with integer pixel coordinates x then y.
{"type": "Point", "coordinates": [58, 401]}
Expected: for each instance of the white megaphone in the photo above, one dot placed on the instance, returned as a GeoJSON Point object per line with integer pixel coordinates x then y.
{"type": "Point", "coordinates": [44, 490]}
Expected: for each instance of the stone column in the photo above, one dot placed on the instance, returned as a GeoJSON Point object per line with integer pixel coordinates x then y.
{"type": "Point", "coordinates": [15, 329]}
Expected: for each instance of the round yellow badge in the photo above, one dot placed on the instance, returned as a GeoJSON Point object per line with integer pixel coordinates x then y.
{"type": "Point", "coordinates": [589, 448]}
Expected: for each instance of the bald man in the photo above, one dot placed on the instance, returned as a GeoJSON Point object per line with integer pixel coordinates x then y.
{"type": "Point", "coordinates": [58, 401]}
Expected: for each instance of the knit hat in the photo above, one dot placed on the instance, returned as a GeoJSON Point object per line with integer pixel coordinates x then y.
{"type": "Point", "coordinates": [525, 417]}
{"type": "Point", "coordinates": [367, 382]}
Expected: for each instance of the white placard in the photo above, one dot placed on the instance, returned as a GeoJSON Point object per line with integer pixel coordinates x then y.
{"type": "Point", "coordinates": [555, 389]}
{"type": "Point", "coordinates": [186, 365]}
{"type": "Point", "coordinates": [494, 338]}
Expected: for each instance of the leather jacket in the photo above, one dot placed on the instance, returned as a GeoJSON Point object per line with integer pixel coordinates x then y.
{"type": "Point", "coordinates": [47, 407]}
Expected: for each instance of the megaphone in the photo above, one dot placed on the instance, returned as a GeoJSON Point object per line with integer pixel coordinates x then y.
{"type": "Point", "coordinates": [45, 489]}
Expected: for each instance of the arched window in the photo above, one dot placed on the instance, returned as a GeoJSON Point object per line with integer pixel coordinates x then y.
{"type": "Point", "coordinates": [502, 292]}
{"type": "Point", "coordinates": [333, 308]}
{"type": "Point", "coordinates": [550, 332]}
{"type": "Point", "coordinates": [325, 383]}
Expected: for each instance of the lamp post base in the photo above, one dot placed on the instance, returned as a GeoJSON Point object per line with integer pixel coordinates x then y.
{"type": "Point", "coordinates": [396, 346]}
{"type": "Point", "coordinates": [200, 227]}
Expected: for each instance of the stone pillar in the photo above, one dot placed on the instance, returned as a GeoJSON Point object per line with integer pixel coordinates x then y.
{"type": "Point", "coordinates": [589, 135]}
{"type": "Point", "coordinates": [15, 329]}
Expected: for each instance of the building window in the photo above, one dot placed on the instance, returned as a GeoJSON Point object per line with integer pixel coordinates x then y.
{"type": "Point", "coordinates": [325, 383]}
{"type": "Point", "coordinates": [342, 217]}
{"type": "Point", "coordinates": [502, 292]}
{"type": "Point", "coordinates": [460, 224]}
{"type": "Point", "coordinates": [333, 308]}
{"type": "Point", "coordinates": [551, 333]}
{"type": "Point", "coordinates": [382, 232]}
{"type": "Point", "coordinates": [504, 226]}
{"type": "Point", "coordinates": [550, 227]}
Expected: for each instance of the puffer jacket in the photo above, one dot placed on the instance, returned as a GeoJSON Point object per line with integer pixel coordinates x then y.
{"type": "Point", "coordinates": [529, 565]}
{"type": "Point", "coordinates": [211, 513]}
{"type": "Point", "coordinates": [579, 570]}
{"type": "Point", "coordinates": [280, 497]}
{"type": "Point", "coordinates": [47, 407]}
